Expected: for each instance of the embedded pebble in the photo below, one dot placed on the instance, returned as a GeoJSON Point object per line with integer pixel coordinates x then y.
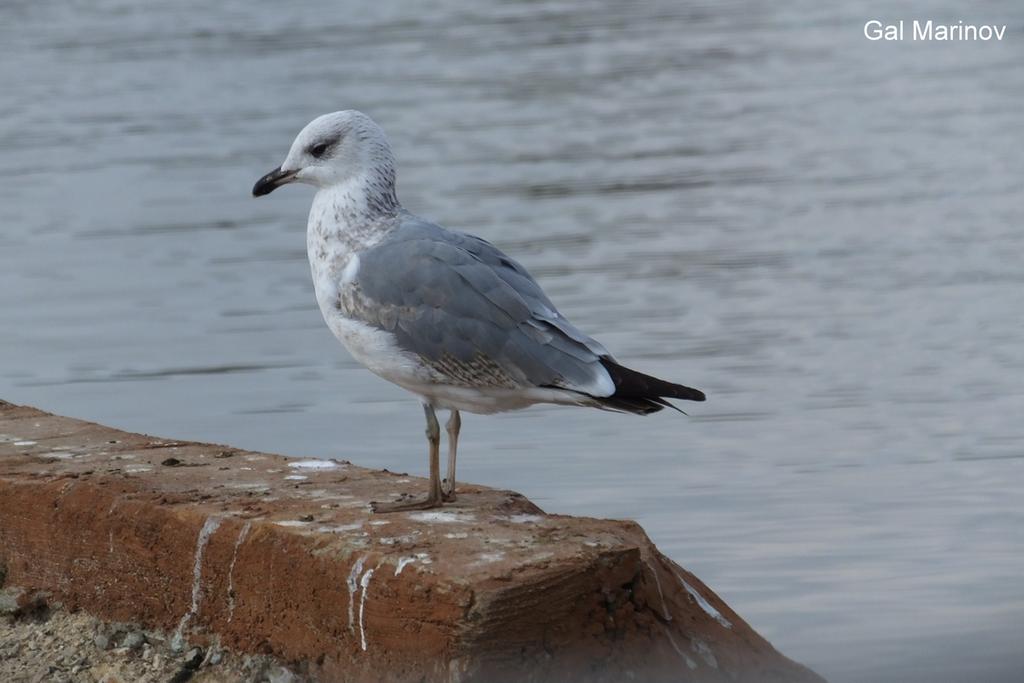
{"type": "Point", "coordinates": [133, 640]}
{"type": "Point", "coordinates": [280, 675]}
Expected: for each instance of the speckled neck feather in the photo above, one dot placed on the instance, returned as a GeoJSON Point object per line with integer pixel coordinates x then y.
{"type": "Point", "coordinates": [378, 183]}
{"type": "Point", "coordinates": [360, 211]}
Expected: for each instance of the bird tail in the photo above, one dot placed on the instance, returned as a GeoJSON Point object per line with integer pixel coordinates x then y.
{"type": "Point", "coordinates": [642, 394]}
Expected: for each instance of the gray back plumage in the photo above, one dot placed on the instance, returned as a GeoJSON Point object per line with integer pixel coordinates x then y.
{"type": "Point", "coordinates": [470, 312]}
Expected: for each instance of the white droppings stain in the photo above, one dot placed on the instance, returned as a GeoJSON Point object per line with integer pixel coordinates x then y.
{"type": "Point", "coordinates": [313, 464]}
{"type": "Point", "coordinates": [398, 540]}
{"type": "Point", "coordinates": [657, 582]}
{"type": "Point", "coordinates": [460, 534]}
{"type": "Point", "coordinates": [135, 469]}
{"type": "Point", "coordinates": [503, 540]}
{"type": "Point", "coordinates": [24, 443]}
{"type": "Point", "coordinates": [247, 469]}
{"type": "Point", "coordinates": [317, 495]}
{"type": "Point", "coordinates": [489, 558]}
{"type": "Point", "coordinates": [250, 485]}
{"type": "Point", "coordinates": [440, 517]}
{"type": "Point", "coordinates": [353, 583]}
{"type": "Point", "coordinates": [704, 604]}
{"type": "Point", "coordinates": [702, 649]}
{"type": "Point", "coordinates": [273, 471]}
{"type": "Point", "coordinates": [404, 562]}
{"type": "Point", "coordinates": [341, 528]}
{"type": "Point", "coordinates": [379, 522]}
{"type": "Point", "coordinates": [209, 526]}
{"type": "Point", "coordinates": [365, 584]}
{"type": "Point", "coordinates": [291, 522]}
{"type": "Point", "coordinates": [525, 519]}
{"type": "Point", "coordinates": [110, 541]}
{"type": "Point", "coordinates": [60, 455]}
{"type": "Point", "coordinates": [690, 664]}
{"type": "Point", "coordinates": [296, 477]}
{"type": "Point", "coordinates": [231, 569]}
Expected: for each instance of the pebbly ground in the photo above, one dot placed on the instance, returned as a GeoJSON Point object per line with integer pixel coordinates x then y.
{"type": "Point", "coordinates": [41, 643]}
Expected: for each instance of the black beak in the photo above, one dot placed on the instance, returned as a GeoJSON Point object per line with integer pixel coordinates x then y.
{"type": "Point", "coordinates": [272, 181]}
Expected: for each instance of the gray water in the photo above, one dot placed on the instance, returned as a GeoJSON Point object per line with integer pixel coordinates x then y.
{"type": "Point", "coordinates": [822, 232]}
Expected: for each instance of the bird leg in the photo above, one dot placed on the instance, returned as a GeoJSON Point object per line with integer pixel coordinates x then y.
{"type": "Point", "coordinates": [434, 496]}
{"type": "Point", "coordinates": [453, 426]}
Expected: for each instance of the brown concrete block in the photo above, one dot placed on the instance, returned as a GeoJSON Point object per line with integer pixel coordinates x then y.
{"type": "Point", "coordinates": [281, 556]}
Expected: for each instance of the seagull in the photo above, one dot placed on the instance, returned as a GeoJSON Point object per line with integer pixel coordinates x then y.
{"type": "Point", "coordinates": [443, 314]}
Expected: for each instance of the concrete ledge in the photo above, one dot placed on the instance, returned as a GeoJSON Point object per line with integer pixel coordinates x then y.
{"type": "Point", "coordinates": [271, 555]}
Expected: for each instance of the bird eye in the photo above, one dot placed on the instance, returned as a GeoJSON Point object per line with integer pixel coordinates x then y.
{"type": "Point", "coordinates": [319, 149]}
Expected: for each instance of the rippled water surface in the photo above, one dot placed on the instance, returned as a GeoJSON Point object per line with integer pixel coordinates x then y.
{"type": "Point", "coordinates": [823, 233]}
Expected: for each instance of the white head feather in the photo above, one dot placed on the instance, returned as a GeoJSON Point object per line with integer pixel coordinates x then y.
{"type": "Point", "coordinates": [344, 149]}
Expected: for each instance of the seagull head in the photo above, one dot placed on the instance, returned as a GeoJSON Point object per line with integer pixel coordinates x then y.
{"type": "Point", "coordinates": [336, 149]}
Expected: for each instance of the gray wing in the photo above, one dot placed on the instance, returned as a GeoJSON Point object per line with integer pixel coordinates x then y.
{"type": "Point", "coordinates": [472, 313]}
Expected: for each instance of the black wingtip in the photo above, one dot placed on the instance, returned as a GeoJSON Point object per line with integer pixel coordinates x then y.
{"type": "Point", "coordinates": [669, 404]}
{"type": "Point", "coordinates": [636, 385]}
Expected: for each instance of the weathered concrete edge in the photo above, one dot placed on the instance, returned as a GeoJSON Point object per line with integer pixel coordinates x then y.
{"type": "Point", "coordinates": [203, 594]}
{"type": "Point", "coordinates": [283, 603]}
